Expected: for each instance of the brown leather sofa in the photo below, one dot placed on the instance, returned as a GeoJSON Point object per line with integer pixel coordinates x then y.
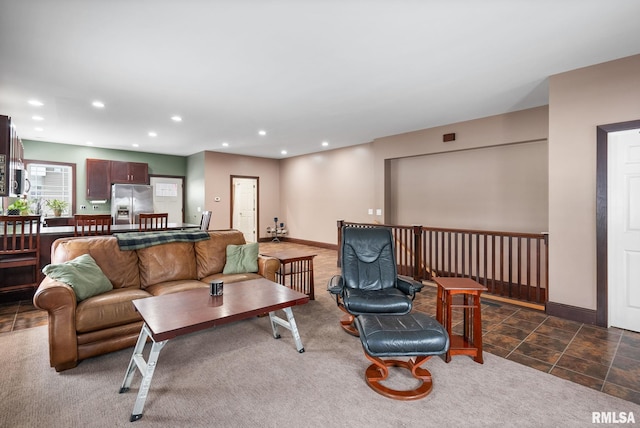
{"type": "Point", "coordinates": [109, 322]}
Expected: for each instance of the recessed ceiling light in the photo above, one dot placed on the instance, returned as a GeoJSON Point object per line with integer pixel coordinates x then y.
{"type": "Point", "coordinates": [325, 143]}
{"type": "Point", "coordinates": [98, 104]}
{"type": "Point", "coordinates": [89, 143]}
{"type": "Point", "coordinates": [152, 134]}
{"type": "Point", "coordinates": [136, 145]}
{"type": "Point", "coordinates": [225, 144]}
{"type": "Point", "coordinates": [37, 117]}
{"type": "Point", "coordinates": [36, 103]}
{"type": "Point", "coordinates": [262, 132]}
{"type": "Point", "coordinates": [39, 129]}
{"type": "Point", "coordinates": [176, 118]}
{"type": "Point", "coordinates": [284, 152]}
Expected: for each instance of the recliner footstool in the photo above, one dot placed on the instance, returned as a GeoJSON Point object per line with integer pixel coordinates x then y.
{"type": "Point", "coordinates": [415, 335]}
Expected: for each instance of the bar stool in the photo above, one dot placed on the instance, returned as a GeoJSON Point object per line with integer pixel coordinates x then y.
{"type": "Point", "coordinates": [204, 220]}
{"type": "Point", "coordinates": [92, 224]}
{"type": "Point", "coordinates": [20, 248]}
{"type": "Point", "coordinates": [153, 221]}
{"type": "Point", "coordinates": [470, 342]}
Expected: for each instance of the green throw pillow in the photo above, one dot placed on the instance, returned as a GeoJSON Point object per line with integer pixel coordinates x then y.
{"type": "Point", "coordinates": [241, 258]}
{"type": "Point", "coordinates": [82, 274]}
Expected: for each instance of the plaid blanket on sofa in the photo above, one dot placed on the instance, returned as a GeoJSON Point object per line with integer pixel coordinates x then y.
{"type": "Point", "coordinates": [137, 240]}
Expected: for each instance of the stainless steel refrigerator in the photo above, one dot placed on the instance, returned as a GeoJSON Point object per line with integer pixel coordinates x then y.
{"type": "Point", "coordinates": [129, 200]}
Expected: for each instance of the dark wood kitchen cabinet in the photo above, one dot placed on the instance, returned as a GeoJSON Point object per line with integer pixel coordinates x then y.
{"type": "Point", "coordinates": [102, 173]}
{"type": "Point", "coordinates": [129, 172]}
{"type": "Point", "coordinates": [98, 179]}
{"type": "Point", "coordinates": [11, 159]}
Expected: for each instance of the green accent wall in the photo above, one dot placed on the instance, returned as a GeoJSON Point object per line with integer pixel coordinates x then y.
{"type": "Point", "coordinates": [55, 152]}
{"type": "Point", "coordinates": [195, 188]}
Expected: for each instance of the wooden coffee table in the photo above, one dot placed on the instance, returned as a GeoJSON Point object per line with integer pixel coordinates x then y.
{"type": "Point", "coordinates": [172, 315]}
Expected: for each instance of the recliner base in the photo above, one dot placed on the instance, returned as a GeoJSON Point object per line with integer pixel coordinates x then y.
{"type": "Point", "coordinates": [378, 371]}
{"type": "Point", "coordinates": [346, 322]}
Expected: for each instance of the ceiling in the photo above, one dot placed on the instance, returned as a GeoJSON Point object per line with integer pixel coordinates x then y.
{"type": "Point", "coordinates": [306, 72]}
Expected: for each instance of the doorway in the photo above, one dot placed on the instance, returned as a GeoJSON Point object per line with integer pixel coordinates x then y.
{"type": "Point", "coordinates": [624, 229]}
{"type": "Point", "coordinates": [244, 206]}
{"type": "Point", "coordinates": [617, 212]}
{"type": "Point", "coordinates": [168, 197]}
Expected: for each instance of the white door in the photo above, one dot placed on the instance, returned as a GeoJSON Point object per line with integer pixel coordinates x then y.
{"type": "Point", "coordinates": [624, 229]}
{"type": "Point", "coordinates": [167, 197]}
{"type": "Point", "coordinates": [245, 204]}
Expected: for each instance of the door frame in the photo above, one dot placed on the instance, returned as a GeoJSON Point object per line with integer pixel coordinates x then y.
{"type": "Point", "coordinates": [184, 201]}
{"type": "Point", "coordinates": [602, 256]}
{"type": "Point", "coordinates": [233, 194]}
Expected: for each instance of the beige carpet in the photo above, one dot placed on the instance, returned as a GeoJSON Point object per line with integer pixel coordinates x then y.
{"type": "Point", "coordinates": [239, 376]}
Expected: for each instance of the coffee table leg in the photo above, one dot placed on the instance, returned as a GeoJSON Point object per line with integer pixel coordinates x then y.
{"type": "Point", "coordinates": [290, 325]}
{"type": "Point", "coordinates": [137, 351]}
{"type": "Point", "coordinates": [146, 369]}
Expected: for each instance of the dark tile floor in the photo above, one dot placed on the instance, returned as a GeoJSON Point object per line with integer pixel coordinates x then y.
{"type": "Point", "coordinates": [607, 360]}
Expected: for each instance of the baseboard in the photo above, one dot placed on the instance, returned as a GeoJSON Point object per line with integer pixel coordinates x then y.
{"type": "Point", "coordinates": [303, 242]}
{"type": "Point", "coordinates": [573, 313]}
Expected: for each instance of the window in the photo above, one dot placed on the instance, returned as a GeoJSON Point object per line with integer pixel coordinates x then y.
{"type": "Point", "coordinates": [48, 181]}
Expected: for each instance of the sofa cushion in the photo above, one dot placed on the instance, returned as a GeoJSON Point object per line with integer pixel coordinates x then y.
{"type": "Point", "coordinates": [241, 259]}
{"type": "Point", "coordinates": [168, 262]}
{"type": "Point", "coordinates": [121, 267]}
{"type": "Point", "coordinates": [110, 309]}
{"type": "Point", "coordinates": [212, 253]}
{"type": "Point", "coordinates": [169, 287]}
{"type": "Point", "coordinates": [82, 274]}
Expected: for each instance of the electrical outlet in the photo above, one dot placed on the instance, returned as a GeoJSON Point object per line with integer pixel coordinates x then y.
{"type": "Point", "coordinates": [83, 207]}
{"type": "Point", "coordinates": [95, 207]}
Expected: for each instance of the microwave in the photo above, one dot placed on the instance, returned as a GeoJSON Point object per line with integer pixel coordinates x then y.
{"type": "Point", "coordinates": [20, 184]}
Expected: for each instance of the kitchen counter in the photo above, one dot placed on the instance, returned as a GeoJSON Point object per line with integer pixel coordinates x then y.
{"type": "Point", "coordinates": [50, 234]}
{"type": "Point", "coordinates": [115, 228]}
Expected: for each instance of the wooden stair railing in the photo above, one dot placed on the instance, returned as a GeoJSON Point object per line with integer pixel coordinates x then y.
{"type": "Point", "coordinates": [512, 265]}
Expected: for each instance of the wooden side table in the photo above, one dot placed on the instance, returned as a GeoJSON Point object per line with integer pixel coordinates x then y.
{"type": "Point", "coordinates": [297, 266]}
{"type": "Point", "coordinates": [470, 342]}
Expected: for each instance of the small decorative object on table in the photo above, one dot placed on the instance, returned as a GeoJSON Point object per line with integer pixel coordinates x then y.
{"type": "Point", "coordinates": [216, 288]}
